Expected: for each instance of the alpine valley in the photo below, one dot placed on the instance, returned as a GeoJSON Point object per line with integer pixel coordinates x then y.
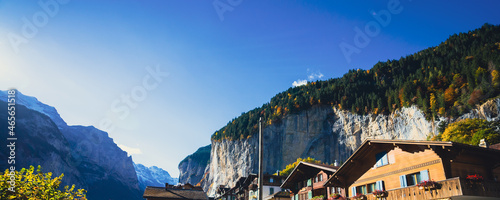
{"type": "Point", "coordinates": [413, 98]}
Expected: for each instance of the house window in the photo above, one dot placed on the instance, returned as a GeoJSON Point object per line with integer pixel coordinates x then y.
{"type": "Point", "coordinates": [321, 177]}
{"type": "Point", "coordinates": [316, 179]}
{"type": "Point", "coordinates": [413, 179]}
{"type": "Point", "coordinates": [271, 191]}
{"type": "Point", "coordinates": [381, 159]}
{"type": "Point", "coordinates": [271, 180]}
{"type": "Point", "coordinates": [368, 188]}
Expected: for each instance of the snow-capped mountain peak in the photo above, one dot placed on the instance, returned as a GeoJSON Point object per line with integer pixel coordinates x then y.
{"type": "Point", "coordinates": [34, 104]}
{"type": "Point", "coordinates": [153, 176]}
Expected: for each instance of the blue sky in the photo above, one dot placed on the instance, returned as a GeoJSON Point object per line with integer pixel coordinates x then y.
{"type": "Point", "coordinates": [95, 60]}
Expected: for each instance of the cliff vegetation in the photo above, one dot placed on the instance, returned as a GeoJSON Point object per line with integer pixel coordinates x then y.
{"type": "Point", "coordinates": [443, 81]}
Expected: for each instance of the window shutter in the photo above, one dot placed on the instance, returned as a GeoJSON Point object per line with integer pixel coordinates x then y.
{"type": "Point", "coordinates": [353, 191]}
{"type": "Point", "coordinates": [424, 175]}
{"type": "Point", "coordinates": [310, 195]}
{"type": "Point", "coordinates": [402, 180]}
{"type": "Point", "coordinates": [379, 185]}
{"type": "Point", "coordinates": [384, 159]}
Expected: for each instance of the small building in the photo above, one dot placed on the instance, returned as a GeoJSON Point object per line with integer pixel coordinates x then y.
{"type": "Point", "coordinates": [270, 185]}
{"type": "Point", "coordinates": [246, 188]}
{"type": "Point", "coordinates": [281, 195]}
{"type": "Point", "coordinates": [238, 192]}
{"type": "Point", "coordinates": [307, 181]}
{"type": "Point", "coordinates": [178, 192]}
{"type": "Point", "coordinates": [444, 170]}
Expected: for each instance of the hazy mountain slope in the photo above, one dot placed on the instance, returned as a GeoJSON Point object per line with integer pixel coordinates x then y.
{"type": "Point", "coordinates": [153, 176]}
{"type": "Point", "coordinates": [87, 156]}
{"type": "Point", "coordinates": [192, 168]}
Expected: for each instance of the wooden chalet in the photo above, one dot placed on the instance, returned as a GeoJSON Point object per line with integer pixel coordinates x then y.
{"type": "Point", "coordinates": [179, 192]}
{"type": "Point", "coordinates": [246, 188]}
{"type": "Point", "coordinates": [459, 171]}
{"type": "Point", "coordinates": [307, 181]}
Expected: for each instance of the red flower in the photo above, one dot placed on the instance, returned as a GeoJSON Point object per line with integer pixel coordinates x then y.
{"type": "Point", "coordinates": [474, 177]}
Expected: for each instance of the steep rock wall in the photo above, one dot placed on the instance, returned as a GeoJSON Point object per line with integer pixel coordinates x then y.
{"type": "Point", "coordinates": [324, 133]}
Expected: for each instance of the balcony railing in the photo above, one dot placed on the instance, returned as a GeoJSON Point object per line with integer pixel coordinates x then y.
{"type": "Point", "coordinates": [447, 188]}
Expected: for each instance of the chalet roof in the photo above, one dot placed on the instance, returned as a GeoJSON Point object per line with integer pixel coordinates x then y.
{"type": "Point", "coordinates": [172, 193]}
{"type": "Point", "coordinates": [364, 157]}
{"type": "Point", "coordinates": [305, 170]}
{"type": "Point", "coordinates": [495, 146]}
{"type": "Point", "coordinates": [282, 194]}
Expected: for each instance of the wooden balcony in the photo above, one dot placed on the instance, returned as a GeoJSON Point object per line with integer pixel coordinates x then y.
{"type": "Point", "coordinates": [448, 188]}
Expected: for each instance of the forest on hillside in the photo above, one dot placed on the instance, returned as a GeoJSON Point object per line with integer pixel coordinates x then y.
{"type": "Point", "coordinates": [447, 80]}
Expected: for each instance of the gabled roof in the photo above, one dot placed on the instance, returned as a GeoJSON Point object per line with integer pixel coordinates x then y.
{"type": "Point", "coordinates": [305, 170]}
{"type": "Point", "coordinates": [364, 157]}
{"type": "Point", "coordinates": [171, 193]}
{"type": "Point", "coordinates": [281, 194]}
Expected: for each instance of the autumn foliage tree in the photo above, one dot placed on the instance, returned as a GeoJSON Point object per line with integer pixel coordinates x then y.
{"type": "Point", "coordinates": [34, 185]}
{"type": "Point", "coordinates": [289, 168]}
{"type": "Point", "coordinates": [471, 131]}
{"type": "Point", "coordinates": [442, 81]}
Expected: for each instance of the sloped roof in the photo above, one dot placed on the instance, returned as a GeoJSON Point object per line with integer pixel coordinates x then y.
{"type": "Point", "coordinates": [305, 170]}
{"type": "Point", "coordinates": [364, 157]}
{"type": "Point", "coordinates": [171, 193]}
{"type": "Point", "coordinates": [282, 194]}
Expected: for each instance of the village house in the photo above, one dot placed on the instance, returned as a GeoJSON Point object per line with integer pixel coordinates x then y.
{"type": "Point", "coordinates": [307, 181]}
{"type": "Point", "coordinates": [403, 170]}
{"type": "Point", "coordinates": [175, 192]}
{"type": "Point", "coordinates": [246, 188]}
{"type": "Point", "coordinates": [238, 192]}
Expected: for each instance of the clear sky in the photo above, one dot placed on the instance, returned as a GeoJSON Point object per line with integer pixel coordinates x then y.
{"type": "Point", "coordinates": [162, 76]}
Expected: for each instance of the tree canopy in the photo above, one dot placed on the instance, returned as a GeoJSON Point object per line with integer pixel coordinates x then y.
{"type": "Point", "coordinates": [32, 185]}
{"type": "Point", "coordinates": [471, 131]}
{"type": "Point", "coordinates": [446, 80]}
{"type": "Point", "coordinates": [289, 168]}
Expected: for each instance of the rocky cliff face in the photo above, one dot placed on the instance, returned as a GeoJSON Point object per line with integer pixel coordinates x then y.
{"type": "Point", "coordinates": [192, 168]}
{"type": "Point", "coordinates": [87, 156]}
{"type": "Point", "coordinates": [324, 133]}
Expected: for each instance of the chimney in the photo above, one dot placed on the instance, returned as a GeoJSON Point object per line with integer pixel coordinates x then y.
{"type": "Point", "coordinates": [483, 143]}
{"type": "Point", "coordinates": [335, 163]}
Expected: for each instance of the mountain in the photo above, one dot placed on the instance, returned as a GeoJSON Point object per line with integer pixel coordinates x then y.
{"type": "Point", "coordinates": [153, 176]}
{"type": "Point", "coordinates": [399, 99]}
{"type": "Point", "coordinates": [87, 156]}
{"type": "Point", "coordinates": [193, 167]}
{"type": "Point", "coordinates": [447, 80]}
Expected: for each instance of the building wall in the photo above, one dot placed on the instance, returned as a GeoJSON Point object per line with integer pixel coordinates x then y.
{"type": "Point", "coordinates": [402, 163]}
{"type": "Point", "coordinates": [316, 187]}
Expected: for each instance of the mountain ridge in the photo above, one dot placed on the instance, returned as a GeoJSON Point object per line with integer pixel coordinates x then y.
{"type": "Point", "coordinates": [87, 156]}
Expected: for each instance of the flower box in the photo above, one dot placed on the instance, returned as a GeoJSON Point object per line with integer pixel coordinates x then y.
{"type": "Point", "coordinates": [359, 197]}
{"type": "Point", "coordinates": [334, 196]}
{"type": "Point", "coordinates": [379, 194]}
{"type": "Point", "coordinates": [427, 185]}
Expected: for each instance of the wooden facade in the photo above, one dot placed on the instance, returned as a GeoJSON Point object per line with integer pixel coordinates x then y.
{"type": "Point", "coordinates": [398, 166]}
{"type": "Point", "coordinates": [245, 188]}
{"type": "Point", "coordinates": [307, 181]}
{"type": "Point", "coordinates": [177, 192]}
